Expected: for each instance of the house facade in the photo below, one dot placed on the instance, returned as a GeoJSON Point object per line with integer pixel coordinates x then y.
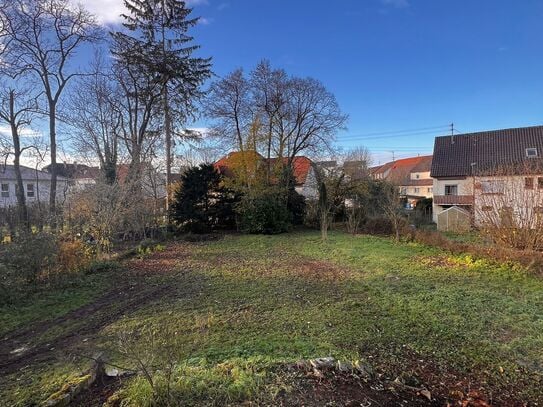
{"type": "Point", "coordinates": [79, 175]}
{"type": "Point", "coordinates": [411, 175]}
{"type": "Point", "coordinates": [495, 176]}
{"type": "Point", "coordinates": [36, 184]}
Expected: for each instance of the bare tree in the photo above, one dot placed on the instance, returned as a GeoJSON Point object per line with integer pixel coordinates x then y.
{"type": "Point", "coordinates": [96, 118]}
{"type": "Point", "coordinates": [311, 119]}
{"type": "Point", "coordinates": [269, 91]}
{"type": "Point", "coordinates": [17, 109]}
{"type": "Point", "coordinates": [391, 205]}
{"type": "Point", "coordinates": [41, 38]}
{"type": "Point", "coordinates": [138, 100]}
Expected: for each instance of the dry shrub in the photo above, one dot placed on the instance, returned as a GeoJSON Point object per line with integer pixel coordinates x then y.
{"type": "Point", "coordinates": [72, 257]}
{"type": "Point", "coordinates": [531, 259]}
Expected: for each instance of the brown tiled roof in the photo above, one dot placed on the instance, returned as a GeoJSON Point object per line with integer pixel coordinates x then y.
{"type": "Point", "coordinates": [74, 170]}
{"type": "Point", "coordinates": [488, 151]}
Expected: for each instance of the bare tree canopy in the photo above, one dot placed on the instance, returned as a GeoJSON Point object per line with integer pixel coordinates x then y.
{"type": "Point", "coordinates": [272, 112]}
{"type": "Point", "coordinates": [40, 39]}
{"type": "Point", "coordinates": [96, 118]}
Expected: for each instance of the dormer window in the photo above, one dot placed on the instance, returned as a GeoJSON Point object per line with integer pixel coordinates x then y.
{"type": "Point", "coordinates": [531, 152]}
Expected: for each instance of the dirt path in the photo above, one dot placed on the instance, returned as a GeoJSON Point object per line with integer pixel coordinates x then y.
{"type": "Point", "coordinates": [40, 342]}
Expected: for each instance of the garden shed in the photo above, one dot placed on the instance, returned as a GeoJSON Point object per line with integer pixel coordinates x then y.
{"type": "Point", "coordinates": [454, 219]}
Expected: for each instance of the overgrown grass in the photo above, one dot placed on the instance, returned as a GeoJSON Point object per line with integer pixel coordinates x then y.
{"type": "Point", "coordinates": [245, 304]}
{"type": "Point", "coordinates": [40, 302]}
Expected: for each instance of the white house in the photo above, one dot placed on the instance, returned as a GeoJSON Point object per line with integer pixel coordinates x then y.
{"type": "Point", "coordinates": [411, 175]}
{"type": "Point", "coordinates": [492, 175]}
{"type": "Point", "coordinates": [36, 186]}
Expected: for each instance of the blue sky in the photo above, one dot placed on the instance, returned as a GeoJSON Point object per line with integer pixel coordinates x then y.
{"type": "Point", "coordinates": [392, 64]}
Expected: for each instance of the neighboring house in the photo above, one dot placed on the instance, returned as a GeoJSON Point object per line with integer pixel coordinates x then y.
{"type": "Point", "coordinates": [36, 186]}
{"type": "Point", "coordinates": [80, 175]}
{"type": "Point", "coordinates": [490, 174]}
{"type": "Point", "coordinates": [411, 175]}
{"type": "Point", "coordinates": [302, 167]}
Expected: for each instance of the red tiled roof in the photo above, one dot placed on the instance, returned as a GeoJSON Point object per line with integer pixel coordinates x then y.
{"type": "Point", "coordinates": [399, 171]}
{"type": "Point", "coordinates": [300, 165]}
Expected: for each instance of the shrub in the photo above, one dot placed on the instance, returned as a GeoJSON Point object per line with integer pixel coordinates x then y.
{"type": "Point", "coordinates": [30, 256]}
{"type": "Point", "coordinates": [378, 225]}
{"type": "Point", "coordinates": [264, 212]}
{"type": "Point", "coordinates": [72, 256]}
{"type": "Point", "coordinates": [311, 218]}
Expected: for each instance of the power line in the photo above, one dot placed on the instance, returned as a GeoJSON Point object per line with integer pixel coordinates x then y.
{"type": "Point", "coordinates": [420, 133]}
{"type": "Point", "coordinates": [398, 133]}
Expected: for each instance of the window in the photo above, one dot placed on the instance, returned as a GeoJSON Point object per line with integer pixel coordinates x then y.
{"type": "Point", "coordinates": [451, 189]}
{"type": "Point", "coordinates": [492, 187]}
{"type": "Point", "coordinates": [538, 210]}
{"type": "Point", "coordinates": [430, 190]}
{"type": "Point", "coordinates": [531, 152]}
{"type": "Point", "coordinates": [506, 216]}
{"type": "Point", "coordinates": [529, 183]}
{"type": "Point", "coordinates": [417, 176]}
{"type": "Point", "coordinates": [417, 190]}
{"type": "Point", "coordinates": [540, 182]}
{"type": "Point", "coordinates": [30, 190]}
{"type": "Point", "coordinates": [5, 190]}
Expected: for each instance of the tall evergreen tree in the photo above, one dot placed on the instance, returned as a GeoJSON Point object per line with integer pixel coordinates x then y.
{"type": "Point", "coordinates": [202, 203]}
{"type": "Point", "coordinates": [158, 44]}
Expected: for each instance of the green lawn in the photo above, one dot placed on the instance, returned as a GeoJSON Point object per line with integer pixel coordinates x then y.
{"type": "Point", "coordinates": [237, 308]}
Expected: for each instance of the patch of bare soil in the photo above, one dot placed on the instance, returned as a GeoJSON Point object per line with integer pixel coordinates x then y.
{"type": "Point", "coordinates": [343, 389]}
{"type": "Point", "coordinates": [102, 389]}
{"type": "Point", "coordinates": [24, 347]}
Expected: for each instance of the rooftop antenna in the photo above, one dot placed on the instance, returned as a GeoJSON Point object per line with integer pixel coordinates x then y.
{"type": "Point", "coordinates": [452, 133]}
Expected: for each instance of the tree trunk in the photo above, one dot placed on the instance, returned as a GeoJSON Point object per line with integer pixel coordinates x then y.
{"type": "Point", "coordinates": [19, 191]}
{"type": "Point", "coordinates": [53, 146]}
{"type": "Point", "coordinates": [168, 135]}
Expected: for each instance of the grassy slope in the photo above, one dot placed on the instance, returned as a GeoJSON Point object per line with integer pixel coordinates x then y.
{"type": "Point", "coordinates": [256, 300]}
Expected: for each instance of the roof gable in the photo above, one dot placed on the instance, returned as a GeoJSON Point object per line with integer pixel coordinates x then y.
{"type": "Point", "coordinates": [399, 171]}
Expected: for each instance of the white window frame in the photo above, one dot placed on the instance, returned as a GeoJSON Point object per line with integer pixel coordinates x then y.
{"type": "Point", "coordinates": [4, 192]}
{"type": "Point", "coordinates": [532, 152]}
{"type": "Point", "coordinates": [30, 191]}
{"type": "Point", "coordinates": [493, 186]}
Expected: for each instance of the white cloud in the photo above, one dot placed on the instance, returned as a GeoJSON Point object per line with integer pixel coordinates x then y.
{"type": "Point", "coordinates": [205, 21]}
{"type": "Point", "coordinates": [5, 131]}
{"type": "Point", "coordinates": [396, 3]}
{"type": "Point", "coordinates": [109, 11]}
